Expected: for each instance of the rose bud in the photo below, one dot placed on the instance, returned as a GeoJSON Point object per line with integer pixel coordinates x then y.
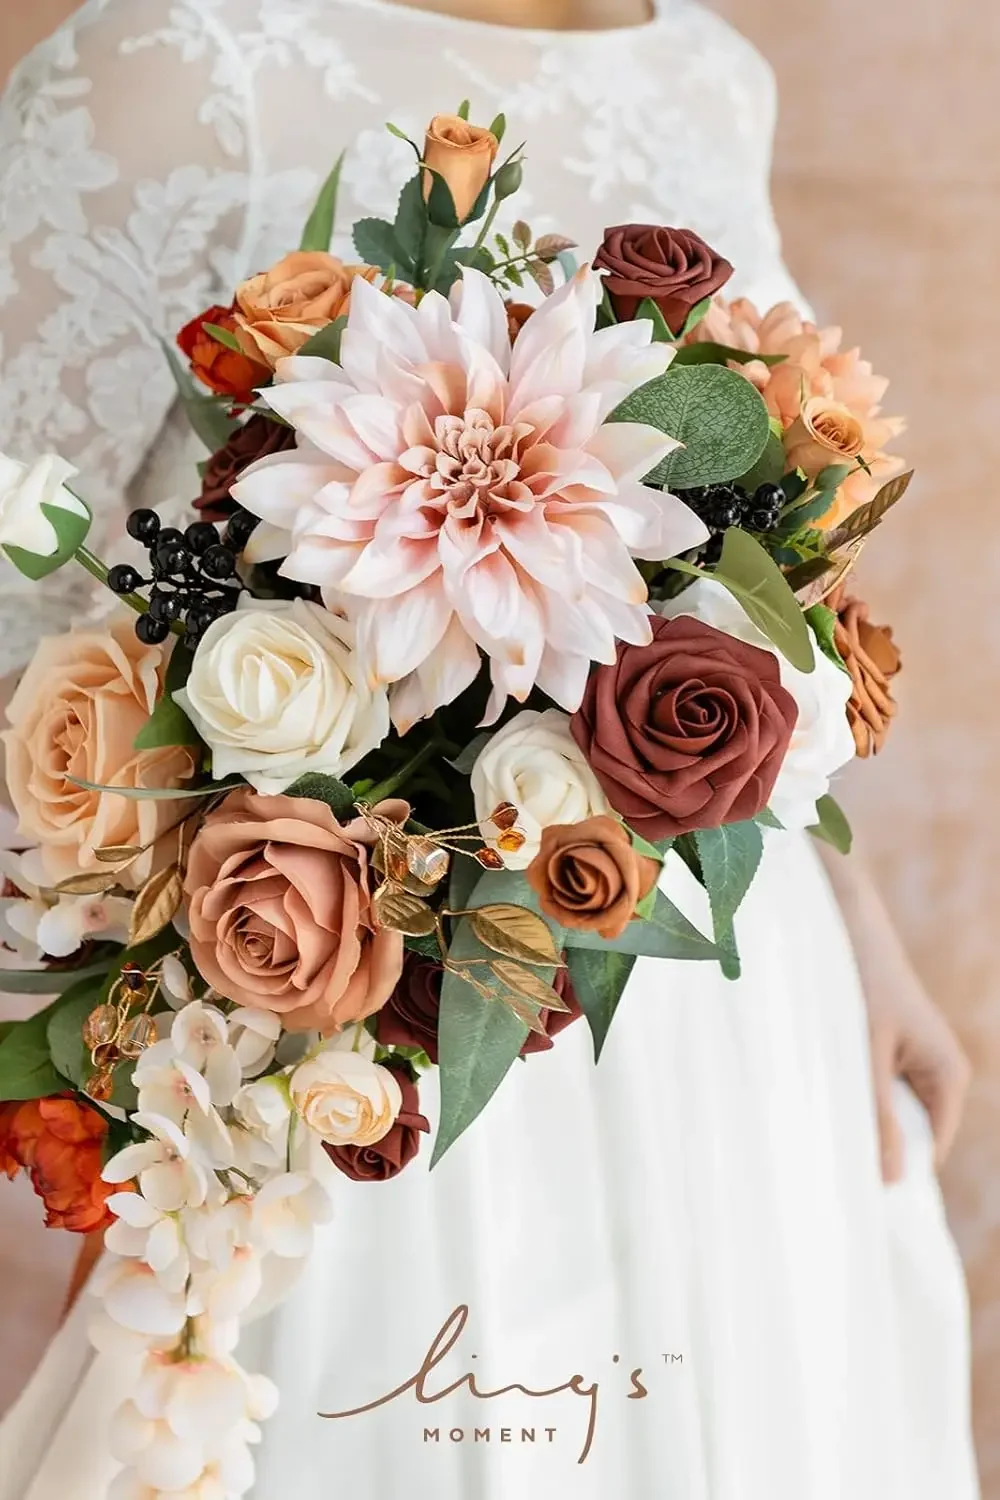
{"type": "Point", "coordinates": [463, 155]}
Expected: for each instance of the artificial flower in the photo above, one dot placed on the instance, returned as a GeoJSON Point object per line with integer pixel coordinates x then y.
{"type": "Point", "coordinates": [534, 763]}
{"type": "Point", "coordinates": [163, 1165]}
{"type": "Point", "coordinates": [458, 495]}
{"type": "Point", "coordinates": [379, 1160]}
{"type": "Point", "coordinates": [59, 1142]}
{"type": "Point", "coordinates": [257, 437]}
{"type": "Point", "coordinates": [463, 155]}
{"type": "Point", "coordinates": [821, 740]}
{"type": "Point", "coordinates": [200, 1034]}
{"type": "Point", "coordinates": [280, 907]}
{"type": "Point", "coordinates": [280, 310]}
{"type": "Point", "coordinates": [134, 1297]}
{"type": "Point", "coordinates": [807, 362]}
{"type": "Point", "coordinates": [873, 659]}
{"type": "Point", "coordinates": [689, 731]}
{"type": "Point", "coordinates": [74, 717]}
{"type": "Point", "coordinates": [347, 1099]}
{"type": "Point", "coordinates": [588, 876]}
{"type": "Point", "coordinates": [824, 432]}
{"type": "Point", "coordinates": [276, 690]}
{"type": "Point", "coordinates": [226, 371]}
{"type": "Point", "coordinates": [253, 1036]}
{"type": "Point", "coordinates": [37, 922]}
{"type": "Point", "coordinates": [286, 1211]}
{"type": "Point", "coordinates": [674, 268]}
{"type": "Point", "coordinates": [39, 515]}
{"type": "Point", "coordinates": [143, 1232]}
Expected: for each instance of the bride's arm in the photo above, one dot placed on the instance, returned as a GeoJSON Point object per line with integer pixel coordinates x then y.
{"type": "Point", "coordinates": [124, 186]}
{"type": "Point", "coordinates": [910, 1037]}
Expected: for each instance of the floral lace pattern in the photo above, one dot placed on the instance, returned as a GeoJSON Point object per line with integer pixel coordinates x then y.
{"type": "Point", "coordinates": [147, 134]}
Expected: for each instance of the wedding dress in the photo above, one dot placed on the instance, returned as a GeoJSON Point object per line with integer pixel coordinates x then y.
{"type": "Point", "coordinates": [705, 1206]}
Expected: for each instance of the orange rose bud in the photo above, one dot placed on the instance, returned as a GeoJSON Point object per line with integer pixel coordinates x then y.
{"type": "Point", "coordinates": [463, 155]}
{"type": "Point", "coordinates": [221, 369]}
{"type": "Point", "coordinates": [60, 1144]}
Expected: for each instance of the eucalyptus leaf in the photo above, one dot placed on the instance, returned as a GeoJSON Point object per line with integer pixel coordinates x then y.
{"type": "Point", "coordinates": [718, 416]}
{"type": "Point", "coordinates": [26, 1070]}
{"type": "Point", "coordinates": [832, 826]}
{"type": "Point", "coordinates": [666, 934]}
{"type": "Point", "coordinates": [318, 231]}
{"type": "Point", "coordinates": [599, 981]}
{"type": "Point", "coordinates": [768, 469]}
{"type": "Point", "coordinates": [823, 622]}
{"type": "Point", "coordinates": [754, 578]}
{"type": "Point", "coordinates": [46, 981]}
{"type": "Point", "coordinates": [206, 416]}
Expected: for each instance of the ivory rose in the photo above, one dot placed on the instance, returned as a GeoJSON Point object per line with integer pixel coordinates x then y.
{"type": "Point", "coordinates": [535, 763]}
{"type": "Point", "coordinates": [279, 902]}
{"type": "Point", "coordinates": [276, 690]}
{"type": "Point", "coordinates": [463, 155]}
{"type": "Point", "coordinates": [280, 309]}
{"type": "Point", "coordinates": [31, 495]}
{"type": "Point", "coordinates": [825, 432]}
{"type": "Point", "coordinates": [76, 713]}
{"type": "Point", "coordinates": [347, 1099]}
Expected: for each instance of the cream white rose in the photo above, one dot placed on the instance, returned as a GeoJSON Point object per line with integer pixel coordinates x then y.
{"type": "Point", "coordinates": [24, 526]}
{"type": "Point", "coordinates": [535, 763]}
{"type": "Point", "coordinates": [822, 741]}
{"type": "Point", "coordinates": [276, 690]}
{"type": "Point", "coordinates": [345, 1098]}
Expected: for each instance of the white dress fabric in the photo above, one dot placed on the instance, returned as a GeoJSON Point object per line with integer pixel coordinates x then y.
{"type": "Point", "coordinates": [705, 1206]}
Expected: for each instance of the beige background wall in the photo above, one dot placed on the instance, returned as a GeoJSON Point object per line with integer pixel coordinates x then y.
{"type": "Point", "coordinates": [886, 186]}
{"type": "Point", "coordinates": [886, 183]}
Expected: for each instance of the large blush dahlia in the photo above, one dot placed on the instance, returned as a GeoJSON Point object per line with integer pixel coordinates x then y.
{"type": "Point", "coordinates": [452, 494]}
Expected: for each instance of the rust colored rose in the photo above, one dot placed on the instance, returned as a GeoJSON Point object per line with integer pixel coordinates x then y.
{"type": "Point", "coordinates": [280, 907]}
{"type": "Point", "coordinates": [463, 155]}
{"type": "Point", "coordinates": [279, 310]}
{"type": "Point", "coordinates": [387, 1157]}
{"type": "Point", "coordinates": [873, 659]}
{"type": "Point", "coordinates": [257, 438]}
{"type": "Point", "coordinates": [60, 1144]}
{"type": "Point", "coordinates": [518, 314]}
{"type": "Point", "coordinates": [687, 732]}
{"type": "Point", "coordinates": [673, 267]}
{"type": "Point", "coordinates": [587, 875]}
{"type": "Point", "coordinates": [409, 1017]}
{"type": "Point", "coordinates": [223, 370]}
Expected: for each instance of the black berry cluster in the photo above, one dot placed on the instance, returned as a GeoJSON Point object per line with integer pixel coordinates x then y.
{"type": "Point", "coordinates": [193, 580]}
{"type": "Point", "coordinates": [723, 505]}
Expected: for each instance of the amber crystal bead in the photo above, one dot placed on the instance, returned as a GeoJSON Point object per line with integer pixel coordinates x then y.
{"type": "Point", "coordinates": [137, 1034]}
{"type": "Point", "coordinates": [511, 840]}
{"type": "Point", "coordinates": [133, 978]}
{"type": "Point", "coordinates": [100, 1027]}
{"type": "Point", "coordinates": [427, 860]}
{"type": "Point", "coordinates": [100, 1086]}
{"type": "Point", "coordinates": [504, 816]}
{"type": "Point", "coordinates": [489, 859]}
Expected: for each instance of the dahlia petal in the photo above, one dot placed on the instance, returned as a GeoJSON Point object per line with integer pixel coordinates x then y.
{"type": "Point", "coordinates": [303, 367]}
{"type": "Point", "coordinates": [563, 676]}
{"type": "Point", "coordinates": [392, 568]}
{"type": "Point", "coordinates": [375, 420]}
{"type": "Point", "coordinates": [480, 313]}
{"type": "Point", "coordinates": [630, 450]}
{"type": "Point", "coordinates": [277, 487]}
{"type": "Point", "coordinates": [390, 321]}
{"type": "Point", "coordinates": [267, 543]}
{"type": "Point", "coordinates": [395, 635]}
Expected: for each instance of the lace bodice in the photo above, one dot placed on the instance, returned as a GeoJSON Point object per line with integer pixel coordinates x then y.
{"type": "Point", "coordinates": [154, 152]}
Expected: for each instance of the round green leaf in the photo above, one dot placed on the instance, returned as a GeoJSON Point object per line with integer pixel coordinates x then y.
{"type": "Point", "coordinates": [718, 416]}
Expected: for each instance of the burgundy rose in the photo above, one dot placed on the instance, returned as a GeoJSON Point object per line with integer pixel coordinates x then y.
{"type": "Point", "coordinates": [257, 438]}
{"type": "Point", "coordinates": [409, 1018]}
{"type": "Point", "coordinates": [687, 732]}
{"type": "Point", "coordinates": [673, 267]}
{"type": "Point", "coordinates": [394, 1151]}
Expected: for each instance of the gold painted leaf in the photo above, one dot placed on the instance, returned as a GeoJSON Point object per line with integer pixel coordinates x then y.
{"type": "Point", "coordinates": [527, 983]}
{"type": "Point", "coordinates": [863, 520]}
{"type": "Point", "coordinates": [816, 591]}
{"type": "Point", "coordinates": [525, 1009]}
{"type": "Point", "coordinates": [156, 904]}
{"type": "Point", "coordinates": [94, 884]}
{"type": "Point", "coordinates": [514, 932]}
{"type": "Point", "coordinates": [401, 911]}
{"type": "Point", "coordinates": [117, 854]}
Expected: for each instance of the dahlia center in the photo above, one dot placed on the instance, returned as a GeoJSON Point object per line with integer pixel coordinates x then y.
{"type": "Point", "coordinates": [475, 464]}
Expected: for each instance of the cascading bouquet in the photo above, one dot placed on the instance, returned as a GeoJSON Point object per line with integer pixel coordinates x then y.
{"type": "Point", "coordinates": [491, 610]}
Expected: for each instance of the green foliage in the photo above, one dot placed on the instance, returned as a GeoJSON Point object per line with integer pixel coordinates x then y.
{"type": "Point", "coordinates": [326, 343]}
{"type": "Point", "coordinates": [766, 819]}
{"type": "Point", "coordinates": [26, 1070]}
{"type": "Point", "coordinates": [45, 981]}
{"type": "Point", "coordinates": [824, 624]}
{"type": "Point", "coordinates": [755, 579]}
{"type": "Point", "coordinates": [661, 332]}
{"type": "Point", "coordinates": [769, 468]}
{"type": "Point", "coordinates": [337, 795]}
{"type": "Point", "coordinates": [223, 336]}
{"type": "Point", "coordinates": [718, 416]}
{"type": "Point", "coordinates": [71, 532]}
{"type": "Point", "coordinates": [318, 231]}
{"type": "Point", "coordinates": [832, 826]}
{"type": "Point", "coordinates": [599, 980]}
{"type": "Point", "coordinates": [708, 353]}
{"type": "Point", "coordinates": [206, 414]}
{"type": "Point", "coordinates": [728, 857]}
{"type": "Point", "coordinates": [666, 934]}
{"type": "Point", "coordinates": [695, 316]}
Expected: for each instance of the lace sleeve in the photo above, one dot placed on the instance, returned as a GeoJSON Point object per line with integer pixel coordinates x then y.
{"type": "Point", "coordinates": [123, 206]}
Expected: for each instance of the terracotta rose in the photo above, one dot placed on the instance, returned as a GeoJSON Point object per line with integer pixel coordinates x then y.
{"type": "Point", "coordinates": [281, 912]}
{"type": "Point", "coordinates": [279, 310]}
{"type": "Point", "coordinates": [587, 875]}
{"type": "Point", "coordinates": [60, 1144]}
{"type": "Point", "coordinates": [873, 660]}
{"type": "Point", "coordinates": [675, 268]}
{"type": "Point", "coordinates": [687, 732]}
{"type": "Point", "coordinates": [258, 437]}
{"type": "Point", "coordinates": [388, 1156]}
{"type": "Point", "coordinates": [223, 370]}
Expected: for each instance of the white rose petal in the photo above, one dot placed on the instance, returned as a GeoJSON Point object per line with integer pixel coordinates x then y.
{"type": "Point", "coordinates": [535, 763]}
{"type": "Point", "coordinates": [345, 1098]}
{"type": "Point", "coordinates": [821, 741]}
{"type": "Point", "coordinates": [276, 690]}
{"type": "Point", "coordinates": [24, 489]}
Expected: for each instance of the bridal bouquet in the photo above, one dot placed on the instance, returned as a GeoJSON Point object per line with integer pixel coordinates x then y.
{"type": "Point", "coordinates": [492, 609]}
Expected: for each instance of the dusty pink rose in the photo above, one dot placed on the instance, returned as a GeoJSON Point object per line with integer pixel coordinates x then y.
{"type": "Point", "coordinates": [280, 907]}
{"type": "Point", "coordinates": [814, 366]}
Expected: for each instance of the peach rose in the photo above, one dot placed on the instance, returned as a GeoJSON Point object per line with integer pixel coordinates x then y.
{"type": "Point", "coordinates": [281, 912]}
{"type": "Point", "coordinates": [76, 713]}
{"type": "Point", "coordinates": [825, 432]}
{"type": "Point", "coordinates": [463, 155]}
{"type": "Point", "coordinates": [279, 310]}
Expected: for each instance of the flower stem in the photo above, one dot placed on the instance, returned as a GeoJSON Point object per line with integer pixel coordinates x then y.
{"type": "Point", "coordinates": [480, 239]}
{"type": "Point", "coordinates": [99, 570]}
{"type": "Point", "coordinates": [398, 779]}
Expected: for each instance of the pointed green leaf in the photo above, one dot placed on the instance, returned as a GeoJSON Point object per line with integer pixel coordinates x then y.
{"type": "Point", "coordinates": [666, 934]}
{"type": "Point", "coordinates": [754, 578]}
{"type": "Point", "coordinates": [695, 316]}
{"type": "Point", "coordinates": [45, 981]}
{"type": "Point", "coordinates": [823, 622]}
{"type": "Point", "coordinates": [766, 819]}
{"type": "Point", "coordinates": [478, 1041]}
{"type": "Point", "coordinates": [206, 415]}
{"type": "Point", "coordinates": [376, 244]}
{"type": "Point", "coordinates": [708, 353]}
{"type": "Point", "coordinates": [26, 1070]}
{"type": "Point", "coordinates": [71, 532]}
{"type": "Point", "coordinates": [499, 127]}
{"type": "Point", "coordinates": [168, 724]}
{"type": "Point", "coordinates": [441, 209]}
{"type": "Point", "coordinates": [318, 231]}
{"type": "Point", "coordinates": [599, 981]}
{"type": "Point", "coordinates": [223, 336]}
{"type": "Point", "coordinates": [326, 343]}
{"type": "Point", "coordinates": [832, 826]}
{"type": "Point", "coordinates": [648, 309]}
{"type": "Point", "coordinates": [463, 109]}
{"type": "Point", "coordinates": [729, 859]}
{"type": "Point", "coordinates": [719, 417]}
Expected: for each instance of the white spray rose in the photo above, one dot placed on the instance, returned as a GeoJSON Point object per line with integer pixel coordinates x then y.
{"type": "Point", "coordinates": [345, 1098]}
{"type": "Point", "coordinates": [276, 690]}
{"type": "Point", "coordinates": [39, 516]}
{"type": "Point", "coordinates": [821, 741]}
{"type": "Point", "coordinates": [535, 763]}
